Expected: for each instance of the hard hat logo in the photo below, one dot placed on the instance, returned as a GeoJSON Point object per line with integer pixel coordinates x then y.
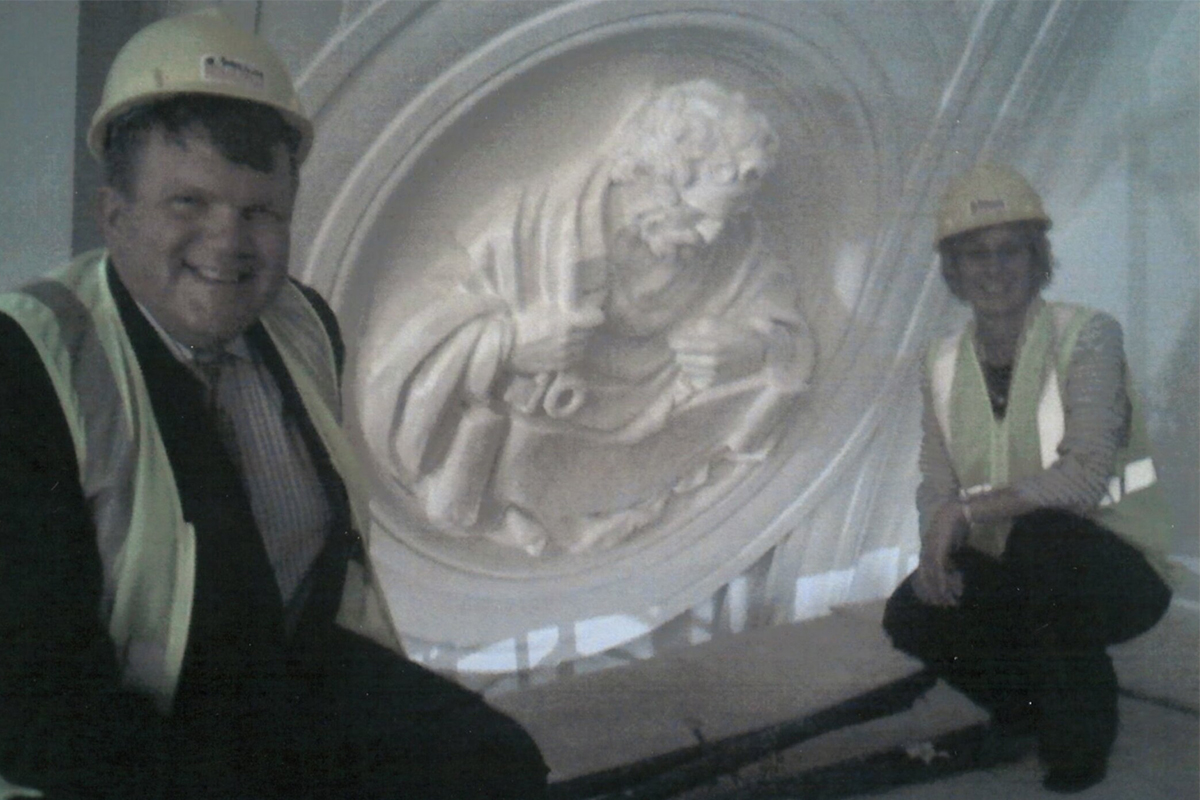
{"type": "Point", "coordinates": [222, 69]}
{"type": "Point", "coordinates": [988, 207]}
{"type": "Point", "coordinates": [989, 194]}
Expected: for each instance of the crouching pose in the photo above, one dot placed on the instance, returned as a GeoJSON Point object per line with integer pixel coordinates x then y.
{"type": "Point", "coordinates": [1043, 527]}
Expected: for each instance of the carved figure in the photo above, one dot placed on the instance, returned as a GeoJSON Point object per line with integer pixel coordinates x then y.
{"type": "Point", "coordinates": [624, 336]}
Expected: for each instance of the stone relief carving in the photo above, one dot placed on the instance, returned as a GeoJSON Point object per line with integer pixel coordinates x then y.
{"type": "Point", "coordinates": [620, 337]}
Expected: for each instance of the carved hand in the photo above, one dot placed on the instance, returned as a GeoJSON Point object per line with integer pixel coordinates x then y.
{"type": "Point", "coordinates": [712, 350]}
{"type": "Point", "coordinates": [549, 338]}
{"type": "Point", "coordinates": [937, 581]}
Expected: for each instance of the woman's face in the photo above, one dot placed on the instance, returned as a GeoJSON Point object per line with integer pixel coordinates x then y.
{"type": "Point", "coordinates": [998, 272]}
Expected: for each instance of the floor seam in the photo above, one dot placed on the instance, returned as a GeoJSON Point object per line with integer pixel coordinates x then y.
{"type": "Point", "coordinates": [1161, 702]}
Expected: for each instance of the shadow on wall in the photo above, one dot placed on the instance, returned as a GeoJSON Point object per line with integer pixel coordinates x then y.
{"type": "Point", "coordinates": [1174, 421]}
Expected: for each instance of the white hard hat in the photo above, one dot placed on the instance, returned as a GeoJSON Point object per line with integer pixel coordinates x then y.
{"type": "Point", "coordinates": [989, 194]}
{"type": "Point", "coordinates": [197, 53]}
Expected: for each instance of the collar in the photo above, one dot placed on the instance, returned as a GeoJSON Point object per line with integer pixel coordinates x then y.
{"type": "Point", "coordinates": [237, 348]}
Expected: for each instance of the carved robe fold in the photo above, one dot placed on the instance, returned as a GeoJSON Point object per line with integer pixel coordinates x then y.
{"type": "Point", "coordinates": [586, 456]}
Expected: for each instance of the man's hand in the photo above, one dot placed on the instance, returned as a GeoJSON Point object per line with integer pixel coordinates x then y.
{"type": "Point", "coordinates": [712, 351]}
{"type": "Point", "coordinates": [937, 581]}
{"type": "Point", "coordinates": [550, 339]}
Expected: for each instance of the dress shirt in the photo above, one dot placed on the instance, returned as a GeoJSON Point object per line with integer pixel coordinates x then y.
{"type": "Point", "coordinates": [289, 503]}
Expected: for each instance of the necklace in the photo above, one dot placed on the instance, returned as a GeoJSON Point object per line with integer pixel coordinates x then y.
{"type": "Point", "coordinates": [998, 380]}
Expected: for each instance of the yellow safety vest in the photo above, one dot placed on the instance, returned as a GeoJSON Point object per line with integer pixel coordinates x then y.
{"type": "Point", "coordinates": [148, 549]}
{"type": "Point", "coordinates": [987, 452]}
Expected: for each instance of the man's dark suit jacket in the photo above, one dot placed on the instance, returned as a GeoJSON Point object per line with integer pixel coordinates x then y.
{"type": "Point", "coordinates": [65, 723]}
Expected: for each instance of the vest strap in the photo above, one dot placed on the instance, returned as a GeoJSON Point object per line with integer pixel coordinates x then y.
{"type": "Point", "coordinates": [106, 453]}
{"type": "Point", "coordinates": [1132, 504]}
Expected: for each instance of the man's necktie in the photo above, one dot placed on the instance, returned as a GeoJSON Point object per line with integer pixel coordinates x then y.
{"type": "Point", "coordinates": [213, 367]}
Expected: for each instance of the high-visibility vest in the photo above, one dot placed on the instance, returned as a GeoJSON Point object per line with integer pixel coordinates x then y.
{"type": "Point", "coordinates": [147, 547]}
{"type": "Point", "coordinates": [987, 452]}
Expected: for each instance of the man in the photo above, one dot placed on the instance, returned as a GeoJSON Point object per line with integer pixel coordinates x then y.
{"type": "Point", "coordinates": [178, 509]}
{"type": "Point", "coordinates": [624, 327]}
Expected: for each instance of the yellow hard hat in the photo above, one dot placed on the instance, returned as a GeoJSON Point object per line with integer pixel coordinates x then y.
{"type": "Point", "coordinates": [989, 194]}
{"type": "Point", "coordinates": [197, 53]}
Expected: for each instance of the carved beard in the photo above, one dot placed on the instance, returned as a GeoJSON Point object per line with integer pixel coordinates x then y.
{"type": "Point", "coordinates": [666, 239]}
{"type": "Point", "coordinates": [667, 231]}
{"type": "Point", "coordinates": [650, 291]}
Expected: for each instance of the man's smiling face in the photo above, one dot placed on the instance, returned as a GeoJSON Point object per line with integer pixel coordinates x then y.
{"type": "Point", "coordinates": [201, 242]}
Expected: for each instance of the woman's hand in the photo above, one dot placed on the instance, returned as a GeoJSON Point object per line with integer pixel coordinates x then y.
{"type": "Point", "coordinates": [937, 581]}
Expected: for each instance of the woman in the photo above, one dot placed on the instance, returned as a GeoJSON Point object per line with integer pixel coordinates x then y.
{"type": "Point", "coordinates": [1043, 527]}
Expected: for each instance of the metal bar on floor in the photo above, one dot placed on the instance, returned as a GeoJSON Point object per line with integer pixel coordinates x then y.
{"type": "Point", "coordinates": [669, 774]}
{"type": "Point", "coordinates": [975, 747]}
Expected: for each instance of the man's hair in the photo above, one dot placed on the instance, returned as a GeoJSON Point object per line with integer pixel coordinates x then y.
{"type": "Point", "coordinates": [677, 130]}
{"type": "Point", "coordinates": [1034, 233]}
{"type": "Point", "coordinates": [242, 131]}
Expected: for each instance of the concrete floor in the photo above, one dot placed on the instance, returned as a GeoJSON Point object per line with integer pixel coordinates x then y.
{"type": "Point", "coordinates": [1156, 757]}
{"type": "Point", "coordinates": [708, 701]}
{"type": "Point", "coordinates": [1157, 753]}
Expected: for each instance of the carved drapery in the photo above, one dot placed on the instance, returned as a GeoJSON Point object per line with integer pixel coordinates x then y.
{"type": "Point", "coordinates": [624, 346]}
{"type": "Point", "coordinates": [426, 115]}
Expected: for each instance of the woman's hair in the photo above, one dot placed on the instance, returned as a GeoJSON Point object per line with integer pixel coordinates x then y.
{"type": "Point", "coordinates": [242, 131]}
{"type": "Point", "coordinates": [1034, 232]}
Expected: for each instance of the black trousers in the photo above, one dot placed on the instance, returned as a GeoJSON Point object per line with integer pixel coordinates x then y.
{"type": "Point", "coordinates": [1027, 639]}
{"type": "Point", "coordinates": [360, 722]}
